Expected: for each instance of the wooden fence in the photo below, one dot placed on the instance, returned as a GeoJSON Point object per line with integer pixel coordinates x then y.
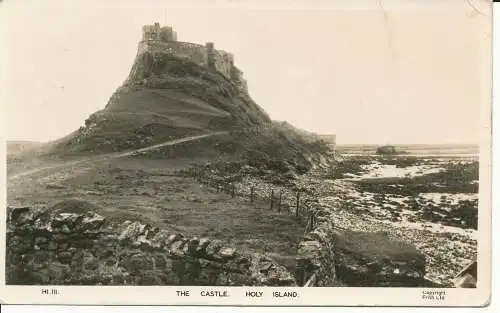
{"type": "Point", "coordinates": [278, 199]}
{"type": "Point", "coordinates": [296, 204]}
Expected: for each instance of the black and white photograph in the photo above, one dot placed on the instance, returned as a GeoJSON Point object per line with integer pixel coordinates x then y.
{"type": "Point", "coordinates": [223, 144]}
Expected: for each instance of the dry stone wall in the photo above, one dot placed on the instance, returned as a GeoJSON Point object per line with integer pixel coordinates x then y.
{"type": "Point", "coordinates": [65, 248]}
{"type": "Point", "coordinates": [316, 252]}
{"type": "Point", "coordinates": [322, 262]}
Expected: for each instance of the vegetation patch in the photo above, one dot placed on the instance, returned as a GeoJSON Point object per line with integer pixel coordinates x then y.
{"type": "Point", "coordinates": [455, 178]}
{"type": "Point", "coordinates": [378, 247]}
{"type": "Point", "coordinates": [352, 166]}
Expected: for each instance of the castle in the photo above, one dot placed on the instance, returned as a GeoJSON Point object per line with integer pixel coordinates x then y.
{"type": "Point", "coordinates": [157, 39]}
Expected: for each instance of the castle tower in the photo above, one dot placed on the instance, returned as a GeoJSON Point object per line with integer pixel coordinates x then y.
{"type": "Point", "coordinates": [168, 34]}
{"type": "Point", "coordinates": [155, 32]}
{"type": "Point", "coordinates": [210, 54]}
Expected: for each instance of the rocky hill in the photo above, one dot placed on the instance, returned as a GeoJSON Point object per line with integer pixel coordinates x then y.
{"type": "Point", "coordinates": [177, 89]}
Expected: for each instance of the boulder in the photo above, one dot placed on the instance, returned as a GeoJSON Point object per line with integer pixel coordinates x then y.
{"type": "Point", "coordinates": [386, 150]}
{"type": "Point", "coordinates": [92, 221]}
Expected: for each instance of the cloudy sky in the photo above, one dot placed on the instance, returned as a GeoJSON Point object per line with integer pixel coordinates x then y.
{"type": "Point", "coordinates": [406, 74]}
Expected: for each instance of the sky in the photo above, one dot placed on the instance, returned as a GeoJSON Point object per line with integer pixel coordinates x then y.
{"type": "Point", "coordinates": [407, 74]}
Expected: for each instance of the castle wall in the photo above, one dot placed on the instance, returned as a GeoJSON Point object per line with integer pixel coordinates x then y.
{"type": "Point", "coordinates": [164, 40]}
{"type": "Point", "coordinates": [221, 60]}
{"type": "Point", "coordinates": [194, 52]}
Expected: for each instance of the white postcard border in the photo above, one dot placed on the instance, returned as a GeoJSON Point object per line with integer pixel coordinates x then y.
{"type": "Point", "coordinates": [315, 296]}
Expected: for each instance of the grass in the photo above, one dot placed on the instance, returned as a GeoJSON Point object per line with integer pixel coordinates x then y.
{"type": "Point", "coordinates": [267, 148]}
{"type": "Point", "coordinates": [142, 190]}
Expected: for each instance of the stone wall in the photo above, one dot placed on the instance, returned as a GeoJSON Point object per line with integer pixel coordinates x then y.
{"type": "Point", "coordinates": [322, 261]}
{"type": "Point", "coordinates": [316, 251]}
{"type": "Point", "coordinates": [67, 248]}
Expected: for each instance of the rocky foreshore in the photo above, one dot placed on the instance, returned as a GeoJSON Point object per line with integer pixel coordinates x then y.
{"type": "Point", "coordinates": [435, 223]}
{"type": "Point", "coordinates": [440, 225]}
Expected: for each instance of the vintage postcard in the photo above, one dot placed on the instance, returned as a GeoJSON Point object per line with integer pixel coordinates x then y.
{"type": "Point", "coordinates": [247, 153]}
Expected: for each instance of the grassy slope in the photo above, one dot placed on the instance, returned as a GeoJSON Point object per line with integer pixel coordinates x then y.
{"type": "Point", "coordinates": [144, 190]}
{"type": "Point", "coordinates": [174, 98]}
{"type": "Point", "coordinates": [271, 148]}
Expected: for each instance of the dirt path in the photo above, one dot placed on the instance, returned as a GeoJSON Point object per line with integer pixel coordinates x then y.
{"type": "Point", "coordinates": [66, 165]}
{"type": "Point", "coordinates": [121, 189]}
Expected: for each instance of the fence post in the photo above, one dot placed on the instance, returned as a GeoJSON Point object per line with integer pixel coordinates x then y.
{"type": "Point", "coordinates": [279, 202]}
{"type": "Point", "coordinates": [251, 194]}
{"type": "Point", "coordinates": [272, 198]}
{"type": "Point", "coordinates": [234, 190]}
{"type": "Point", "coordinates": [297, 204]}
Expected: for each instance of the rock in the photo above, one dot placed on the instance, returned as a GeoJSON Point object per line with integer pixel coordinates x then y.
{"type": "Point", "coordinates": [21, 215]}
{"type": "Point", "coordinates": [290, 175]}
{"type": "Point", "coordinates": [161, 261]}
{"type": "Point", "coordinates": [174, 238]}
{"type": "Point", "coordinates": [63, 246]}
{"type": "Point", "coordinates": [386, 150]}
{"type": "Point", "coordinates": [91, 265]}
{"type": "Point", "coordinates": [139, 263]}
{"type": "Point", "coordinates": [132, 231]}
{"type": "Point", "coordinates": [319, 235]}
{"type": "Point", "coordinates": [278, 276]}
{"type": "Point", "coordinates": [41, 257]}
{"type": "Point", "coordinates": [69, 219]}
{"type": "Point", "coordinates": [160, 238]}
{"type": "Point", "coordinates": [65, 229]}
{"type": "Point", "coordinates": [92, 221]}
{"type": "Point", "coordinates": [227, 253]}
{"type": "Point", "coordinates": [213, 247]}
{"type": "Point", "coordinates": [192, 246]}
{"type": "Point", "coordinates": [202, 246]}
{"type": "Point", "coordinates": [65, 257]}
{"type": "Point", "coordinates": [52, 246]}
{"type": "Point", "coordinates": [151, 231]}
{"type": "Point", "coordinates": [177, 248]}
{"type": "Point", "coordinates": [309, 249]}
{"type": "Point", "coordinates": [40, 241]}
{"type": "Point", "coordinates": [58, 272]}
{"type": "Point", "coordinates": [264, 267]}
